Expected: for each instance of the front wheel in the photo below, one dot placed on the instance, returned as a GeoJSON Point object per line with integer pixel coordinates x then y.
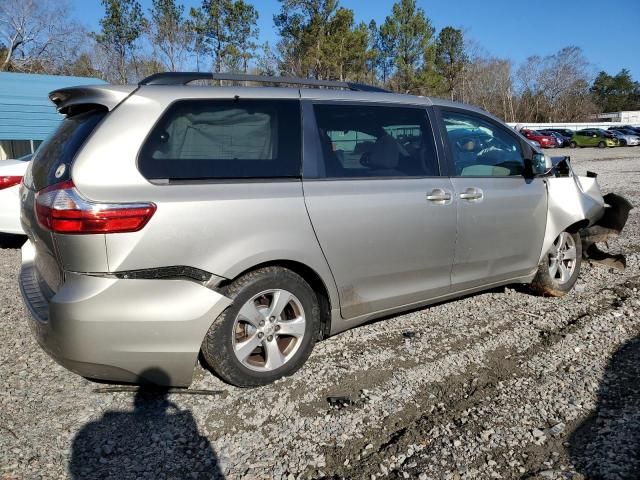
{"type": "Point", "coordinates": [602, 145]}
{"type": "Point", "coordinates": [559, 269]}
{"type": "Point", "coordinates": [573, 144]}
{"type": "Point", "coordinates": [269, 330]}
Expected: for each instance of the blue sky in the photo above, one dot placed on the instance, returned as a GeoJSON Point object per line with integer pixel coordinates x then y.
{"type": "Point", "coordinates": [606, 31]}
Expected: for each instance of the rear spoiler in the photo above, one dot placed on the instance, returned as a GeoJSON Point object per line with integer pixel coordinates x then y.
{"type": "Point", "coordinates": [108, 96]}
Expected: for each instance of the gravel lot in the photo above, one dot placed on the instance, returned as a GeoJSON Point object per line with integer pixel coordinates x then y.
{"type": "Point", "coordinates": [497, 385]}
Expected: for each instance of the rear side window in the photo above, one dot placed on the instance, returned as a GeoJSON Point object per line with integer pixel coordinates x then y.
{"type": "Point", "coordinates": [224, 139]}
{"type": "Point", "coordinates": [52, 162]}
{"type": "Point", "coordinates": [375, 141]}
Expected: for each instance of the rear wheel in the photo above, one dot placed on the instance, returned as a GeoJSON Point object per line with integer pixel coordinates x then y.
{"type": "Point", "coordinates": [560, 268]}
{"type": "Point", "coordinates": [268, 332]}
{"type": "Point", "coordinates": [573, 144]}
{"type": "Point", "coordinates": [602, 145]}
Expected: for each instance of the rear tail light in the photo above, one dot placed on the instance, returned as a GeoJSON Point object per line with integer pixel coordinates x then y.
{"type": "Point", "coordinates": [9, 181]}
{"type": "Point", "coordinates": [61, 209]}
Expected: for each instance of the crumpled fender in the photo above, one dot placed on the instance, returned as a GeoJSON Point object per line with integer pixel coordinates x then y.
{"type": "Point", "coordinates": [570, 200]}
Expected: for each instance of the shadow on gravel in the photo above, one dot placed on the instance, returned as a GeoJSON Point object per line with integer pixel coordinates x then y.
{"type": "Point", "coordinates": [12, 241]}
{"type": "Point", "coordinates": [607, 444]}
{"type": "Point", "coordinates": [156, 440]}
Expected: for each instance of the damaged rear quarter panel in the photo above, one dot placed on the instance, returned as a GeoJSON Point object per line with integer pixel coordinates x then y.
{"type": "Point", "coordinates": [571, 199]}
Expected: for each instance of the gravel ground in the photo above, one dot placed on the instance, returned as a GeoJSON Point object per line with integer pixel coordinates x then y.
{"type": "Point", "coordinates": [497, 385]}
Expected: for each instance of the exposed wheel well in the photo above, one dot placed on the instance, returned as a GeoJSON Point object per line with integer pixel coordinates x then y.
{"type": "Point", "coordinates": [576, 227]}
{"type": "Point", "coordinates": [313, 279]}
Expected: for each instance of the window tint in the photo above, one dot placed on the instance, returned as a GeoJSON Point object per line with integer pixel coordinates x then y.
{"type": "Point", "coordinates": [375, 141]}
{"type": "Point", "coordinates": [481, 148]}
{"type": "Point", "coordinates": [61, 148]}
{"type": "Point", "coordinates": [218, 139]}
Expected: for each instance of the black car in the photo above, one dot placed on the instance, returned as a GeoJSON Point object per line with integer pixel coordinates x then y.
{"type": "Point", "coordinates": [565, 132]}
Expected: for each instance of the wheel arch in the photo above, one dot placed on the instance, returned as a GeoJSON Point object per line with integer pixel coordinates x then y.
{"type": "Point", "coordinates": [577, 226]}
{"type": "Point", "coordinates": [312, 277]}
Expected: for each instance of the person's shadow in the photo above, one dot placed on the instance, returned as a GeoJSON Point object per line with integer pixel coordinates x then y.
{"type": "Point", "coordinates": [607, 444]}
{"type": "Point", "coordinates": [156, 440]}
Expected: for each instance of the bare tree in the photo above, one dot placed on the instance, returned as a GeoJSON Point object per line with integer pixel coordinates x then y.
{"type": "Point", "coordinates": [555, 87]}
{"type": "Point", "coordinates": [267, 61]}
{"type": "Point", "coordinates": [34, 41]}
{"type": "Point", "coordinates": [488, 84]}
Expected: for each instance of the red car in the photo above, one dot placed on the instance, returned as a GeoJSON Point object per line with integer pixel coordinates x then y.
{"type": "Point", "coordinates": [545, 141]}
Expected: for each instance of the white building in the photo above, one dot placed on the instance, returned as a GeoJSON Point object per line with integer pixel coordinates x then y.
{"type": "Point", "coordinates": [627, 117]}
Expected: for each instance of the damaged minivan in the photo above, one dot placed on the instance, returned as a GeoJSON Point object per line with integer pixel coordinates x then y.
{"type": "Point", "coordinates": [170, 222]}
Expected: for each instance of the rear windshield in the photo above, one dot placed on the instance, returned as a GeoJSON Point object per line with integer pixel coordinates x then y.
{"type": "Point", "coordinates": [61, 148]}
{"type": "Point", "coordinates": [224, 139]}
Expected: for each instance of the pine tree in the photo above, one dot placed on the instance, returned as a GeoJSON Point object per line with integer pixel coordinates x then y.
{"type": "Point", "coordinates": [122, 26]}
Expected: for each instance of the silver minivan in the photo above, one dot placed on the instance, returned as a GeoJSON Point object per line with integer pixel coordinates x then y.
{"type": "Point", "coordinates": [169, 222]}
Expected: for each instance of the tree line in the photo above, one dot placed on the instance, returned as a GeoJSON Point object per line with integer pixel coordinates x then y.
{"type": "Point", "coordinates": [316, 39]}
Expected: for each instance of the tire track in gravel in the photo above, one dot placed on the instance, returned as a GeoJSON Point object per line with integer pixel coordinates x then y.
{"type": "Point", "coordinates": [408, 448]}
{"type": "Point", "coordinates": [395, 396]}
{"type": "Point", "coordinates": [394, 402]}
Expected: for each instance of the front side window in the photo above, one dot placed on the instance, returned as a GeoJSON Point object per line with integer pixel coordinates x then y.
{"type": "Point", "coordinates": [224, 139]}
{"type": "Point", "coordinates": [480, 148]}
{"type": "Point", "coordinates": [375, 141]}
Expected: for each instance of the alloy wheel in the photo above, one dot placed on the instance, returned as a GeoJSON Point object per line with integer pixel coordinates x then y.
{"type": "Point", "coordinates": [562, 258]}
{"type": "Point", "coordinates": [268, 330]}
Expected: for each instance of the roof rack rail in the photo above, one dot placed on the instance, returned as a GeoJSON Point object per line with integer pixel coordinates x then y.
{"type": "Point", "coordinates": [182, 78]}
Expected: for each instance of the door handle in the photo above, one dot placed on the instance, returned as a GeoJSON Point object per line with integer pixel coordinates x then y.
{"type": "Point", "coordinates": [472, 194]}
{"type": "Point", "coordinates": [438, 195]}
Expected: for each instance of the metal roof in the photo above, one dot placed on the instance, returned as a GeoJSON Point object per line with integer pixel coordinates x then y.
{"type": "Point", "coordinates": [26, 113]}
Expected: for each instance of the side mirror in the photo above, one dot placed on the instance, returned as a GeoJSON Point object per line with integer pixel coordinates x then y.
{"type": "Point", "coordinates": [595, 136]}
{"type": "Point", "coordinates": [541, 164]}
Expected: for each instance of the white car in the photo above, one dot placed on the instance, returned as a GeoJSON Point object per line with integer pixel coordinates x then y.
{"type": "Point", "coordinates": [11, 173]}
{"type": "Point", "coordinates": [626, 140]}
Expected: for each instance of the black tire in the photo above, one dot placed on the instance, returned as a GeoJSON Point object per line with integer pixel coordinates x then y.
{"type": "Point", "coordinates": [217, 347]}
{"type": "Point", "coordinates": [602, 145]}
{"type": "Point", "coordinates": [623, 143]}
{"type": "Point", "coordinates": [546, 285]}
{"type": "Point", "coordinates": [573, 144]}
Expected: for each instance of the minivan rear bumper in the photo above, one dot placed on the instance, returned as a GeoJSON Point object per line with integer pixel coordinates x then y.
{"type": "Point", "coordinates": [121, 330]}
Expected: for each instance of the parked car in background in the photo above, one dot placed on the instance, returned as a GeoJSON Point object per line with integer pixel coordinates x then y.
{"type": "Point", "coordinates": [626, 131]}
{"type": "Point", "coordinates": [593, 137]}
{"type": "Point", "coordinates": [545, 141]}
{"type": "Point", "coordinates": [625, 139]}
{"type": "Point", "coordinates": [207, 229]}
{"type": "Point", "coordinates": [534, 144]}
{"type": "Point", "coordinates": [631, 127]}
{"type": "Point", "coordinates": [561, 140]}
{"type": "Point", "coordinates": [11, 174]}
{"type": "Point", "coordinates": [565, 132]}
